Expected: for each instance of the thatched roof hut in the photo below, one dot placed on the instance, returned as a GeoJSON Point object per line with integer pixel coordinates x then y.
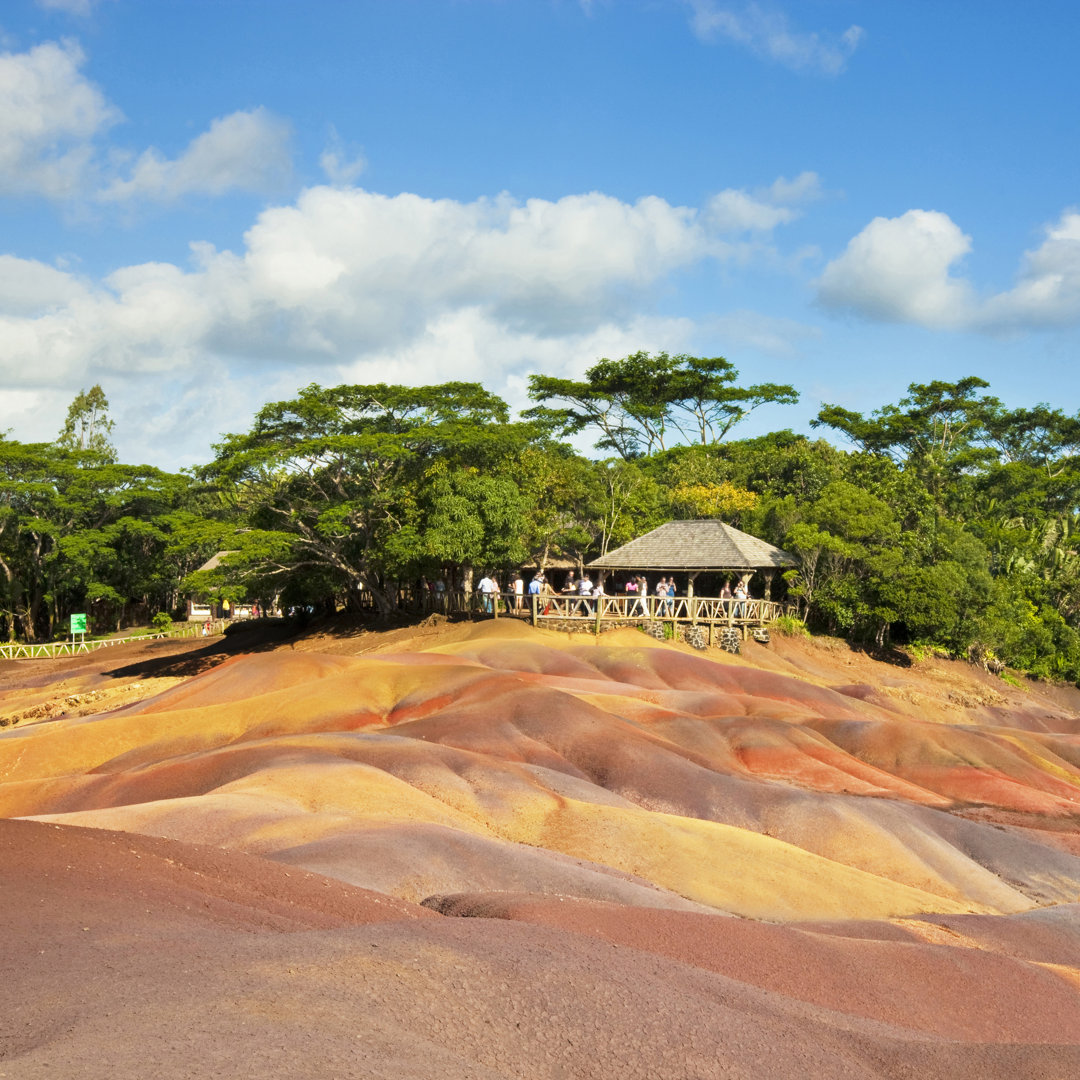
{"type": "Point", "coordinates": [694, 547]}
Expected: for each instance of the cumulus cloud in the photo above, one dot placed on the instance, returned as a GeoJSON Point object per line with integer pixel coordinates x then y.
{"type": "Point", "coordinates": [902, 270]}
{"type": "Point", "coordinates": [769, 34]}
{"type": "Point", "coordinates": [898, 270]}
{"type": "Point", "coordinates": [346, 283]}
{"type": "Point", "coordinates": [1047, 292]}
{"type": "Point", "coordinates": [49, 115]}
{"type": "Point", "coordinates": [31, 288]}
{"type": "Point", "coordinates": [52, 119]}
{"type": "Point", "coordinates": [244, 151]}
{"type": "Point", "coordinates": [737, 210]}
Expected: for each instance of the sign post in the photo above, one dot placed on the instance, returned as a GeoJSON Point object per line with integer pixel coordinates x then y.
{"type": "Point", "coordinates": [78, 626]}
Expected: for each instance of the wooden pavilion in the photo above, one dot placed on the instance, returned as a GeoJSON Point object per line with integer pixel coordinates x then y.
{"type": "Point", "coordinates": [696, 547]}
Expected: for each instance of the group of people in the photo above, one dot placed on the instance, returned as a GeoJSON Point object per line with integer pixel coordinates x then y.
{"type": "Point", "coordinates": [587, 591]}
{"type": "Point", "coordinates": [739, 596]}
{"type": "Point", "coordinates": [637, 588]}
{"type": "Point", "coordinates": [488, 588]}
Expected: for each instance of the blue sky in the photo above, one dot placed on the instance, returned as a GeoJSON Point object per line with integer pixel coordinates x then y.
{"type": "Point", "coordinates": [207, 205]}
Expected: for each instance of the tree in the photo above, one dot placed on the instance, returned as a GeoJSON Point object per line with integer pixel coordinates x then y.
{"type": "Point", "coordinates": [88, 427]}
{"type": "Point", "coordinates": [340, 484]}
{"type": "Point", "coordinates": [75, 529]}
{"type": "Point", "coordinates": [635, 403]}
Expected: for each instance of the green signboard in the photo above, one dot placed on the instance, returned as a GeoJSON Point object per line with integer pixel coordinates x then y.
{"type": "Point", "coordinates": [78, 624]}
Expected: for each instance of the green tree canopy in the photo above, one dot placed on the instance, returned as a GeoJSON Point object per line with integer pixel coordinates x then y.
{"type": "Point", "coordinates": [638, 402]}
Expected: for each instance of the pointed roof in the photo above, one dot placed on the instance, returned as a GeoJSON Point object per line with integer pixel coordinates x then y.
{"type": "Point", "coordinates": [695, 545]}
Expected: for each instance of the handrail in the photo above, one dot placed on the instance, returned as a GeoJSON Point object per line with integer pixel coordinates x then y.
{"type": "Point", "coordinates": [629, 608]}
{"type": "Point", "coordinates": [681, 609]}
{"type": "Point", "coordinates": [48, 650]}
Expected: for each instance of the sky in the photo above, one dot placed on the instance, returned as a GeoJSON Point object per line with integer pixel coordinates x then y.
{"type": "Point", "coordinates": [209, 204]}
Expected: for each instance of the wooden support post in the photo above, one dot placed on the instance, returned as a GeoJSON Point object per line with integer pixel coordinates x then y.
{"type": "Point", "coordinates": [599, 608]}
{"type": "Point", "coordinates": [535, 598]}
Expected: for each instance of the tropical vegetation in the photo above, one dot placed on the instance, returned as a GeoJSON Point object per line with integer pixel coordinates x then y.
{"type": "Point", "coordinates": [944, 519]}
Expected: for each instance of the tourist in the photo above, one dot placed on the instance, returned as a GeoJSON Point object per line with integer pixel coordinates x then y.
{"type": "Point", "coordinates": [487, 588]}
{"type": "Point", "coordinates": [584, 589]}
{"type": "Point", "coordinates": [643, 594]}
{"type": "Point", "coordinates": [740, 596]}
{"type": "Point", "coordinates": [665, 590]}
{"type": "Point", "coordinates": [519, 591]}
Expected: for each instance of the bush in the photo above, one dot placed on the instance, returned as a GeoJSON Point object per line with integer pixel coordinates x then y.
{"type": "Point", "coordinates": [161, 623]}
{"type": "Point", "coordinates": [789, 626]}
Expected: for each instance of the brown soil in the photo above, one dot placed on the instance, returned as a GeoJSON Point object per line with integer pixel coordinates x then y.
{"type": "Point", "coordinates": [233, 837]}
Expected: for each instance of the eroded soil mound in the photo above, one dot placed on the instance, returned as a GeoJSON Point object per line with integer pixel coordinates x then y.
{"type": "Point", "coordinates": [607, 807]}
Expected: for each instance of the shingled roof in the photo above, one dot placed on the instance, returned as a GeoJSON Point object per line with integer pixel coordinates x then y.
{"type": "Point", "coordinates": [695, 545]}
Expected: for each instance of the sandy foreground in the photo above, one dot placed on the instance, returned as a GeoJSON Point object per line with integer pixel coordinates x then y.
{"type": "Point", "coordinates": [492, 851]}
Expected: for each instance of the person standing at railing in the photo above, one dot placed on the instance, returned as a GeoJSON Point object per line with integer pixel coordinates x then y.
{"type": "Point", "coordinates": [725, 598]}
{"type": "Point", "coordinates": [666, 604]}
{"type": "Point", "coordinates": [643, 594]}
{"type": "Point", "coordinates": [487, 589]}
{"type": "Point", "coordinates": [584, 588]}
{"type": "Point", "coordinates": [740, 597]}
{"type": "Point", "coordinates": [519, 591]}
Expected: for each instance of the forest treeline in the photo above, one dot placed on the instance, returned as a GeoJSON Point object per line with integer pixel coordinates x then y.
{"type": "Point", "coordinates": [945, 518]}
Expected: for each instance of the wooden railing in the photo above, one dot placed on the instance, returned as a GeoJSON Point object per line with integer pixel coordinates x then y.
{"type": "Point", "coordinates": [678, 609]}
{"type": "Point", "coordinates": [51, 649]}
{"type": "Point", "coordinates": [683, 609]}
{"type": "Point", "coordinates": [630, 609]}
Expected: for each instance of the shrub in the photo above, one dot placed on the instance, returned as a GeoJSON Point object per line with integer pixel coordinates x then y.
{"type": "Point", "coordinates": [789, 626]}
{"type": "Point", "coordinates": [161, 623]}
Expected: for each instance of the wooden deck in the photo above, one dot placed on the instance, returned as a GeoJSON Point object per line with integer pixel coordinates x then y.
{"type": "Point", "coordinates": [677, 610]}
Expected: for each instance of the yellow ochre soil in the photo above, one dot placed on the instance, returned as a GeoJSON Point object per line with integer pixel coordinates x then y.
{"type": "Point", "coordinates": [458, 850]}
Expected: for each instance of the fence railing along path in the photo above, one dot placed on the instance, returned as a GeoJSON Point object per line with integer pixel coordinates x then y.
{"type": "Point", "coordinates": [50, 649]}
{"type": "Point", "coordinates": [538, 609]}
{"type": "Point", "coordinates": [632, 610]}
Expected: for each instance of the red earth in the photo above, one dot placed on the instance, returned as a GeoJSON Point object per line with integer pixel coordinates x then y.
{"type": "Point", "coordinates": [492, 851]}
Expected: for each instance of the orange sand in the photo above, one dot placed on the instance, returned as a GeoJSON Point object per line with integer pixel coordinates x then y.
{"type": "Point", "coordinates": [585, 795]}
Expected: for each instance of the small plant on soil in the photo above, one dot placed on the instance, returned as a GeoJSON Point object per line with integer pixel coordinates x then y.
{"type": "Point", "coordinates": [789, 626]}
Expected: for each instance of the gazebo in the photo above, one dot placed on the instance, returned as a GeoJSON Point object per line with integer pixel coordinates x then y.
{"type": "Point", "coordinates": [695, 547]}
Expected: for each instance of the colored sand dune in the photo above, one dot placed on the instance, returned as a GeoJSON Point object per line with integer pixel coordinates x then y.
{"type": "Point", "coordinates": [880, 875]}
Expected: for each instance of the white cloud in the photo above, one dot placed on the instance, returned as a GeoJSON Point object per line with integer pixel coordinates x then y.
{"type": "Point", "coordinates": [768, 34]}
{"type": "Point", "coordinates": [901, 270]}
{"type": "Point", "coordinates": [244, 151]}
{"type": "Point", "coordinates": [345, 283]}
{"type": "Point", "coordinates": [31, 288]}
{"type": "Point", "coordinates": [736, 210]}
{"type": "Point", "coordinates": [1047, 292]}
{"type": "Point", "coordinates": [898, 270]}
{"type": "Point", "coordinates": [339, 165]}
{"type": "Point", "coordinates": [51, 118]}
{"type": "Point", "coordinates": [49, 115]}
